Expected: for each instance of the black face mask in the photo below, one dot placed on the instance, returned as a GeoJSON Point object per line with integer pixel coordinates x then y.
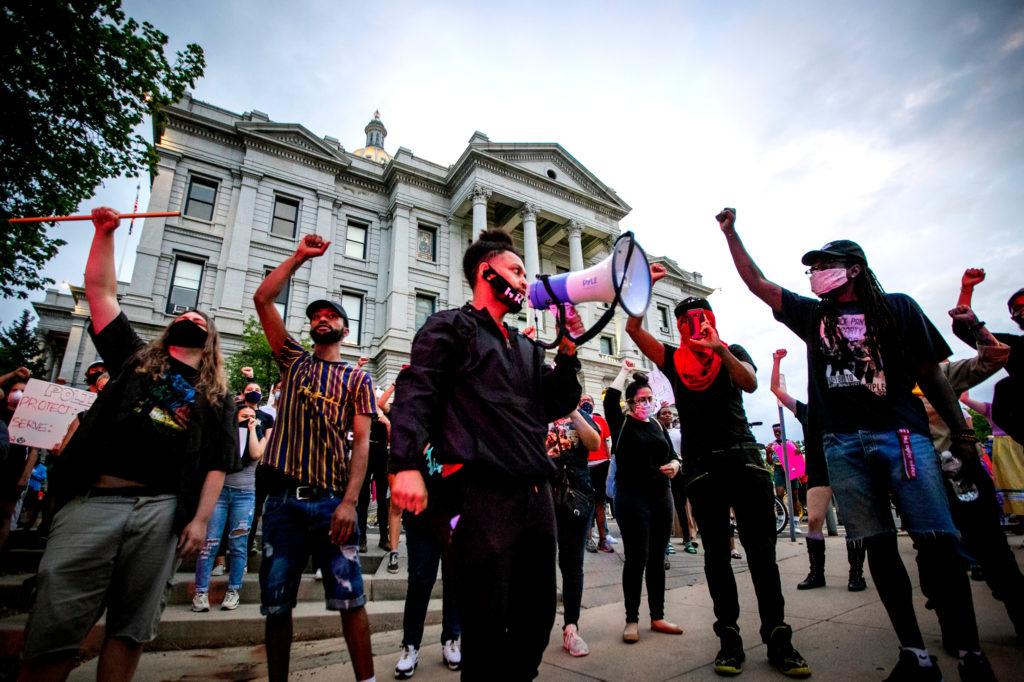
{"type": "Point", "coordinates": [586, 408]}
{"type": "Point", "coordinates": [186, 334]}
{"type": "Point", "coordinates": [91, 379]}
{"type": "Point", "coordinates": [508, 295]}
{"type": "Point", "coordinates": [1019, 319]}
{"type": "Point", "coordinates": [321, 338]}
{"type": "Point", "coordinates": [253, 397]}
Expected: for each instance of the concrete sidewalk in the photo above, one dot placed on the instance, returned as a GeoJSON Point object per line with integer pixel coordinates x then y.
{"type": "Point", "coordinates": [843, 635]}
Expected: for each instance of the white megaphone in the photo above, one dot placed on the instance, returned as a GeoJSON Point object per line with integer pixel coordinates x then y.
{"type": "Point", "coordinates": [623, 278]}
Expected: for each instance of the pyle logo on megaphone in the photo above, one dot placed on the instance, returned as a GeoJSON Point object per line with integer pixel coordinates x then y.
{"type": "Point", "coordinates": [624, 277]}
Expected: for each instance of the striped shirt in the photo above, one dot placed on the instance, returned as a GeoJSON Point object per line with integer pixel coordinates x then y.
{"type": "Point", "coordinates": [318, 402]}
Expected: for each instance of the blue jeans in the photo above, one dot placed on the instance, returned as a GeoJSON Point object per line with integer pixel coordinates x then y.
{"type": "Point", "coordinates": [428, 540]}
{"type": "Point", "coordinates": [234, 509]}
{"type": "Point", "coordinates": [866, 468]}
{"type": "Point", "coordinates": [293, 530]}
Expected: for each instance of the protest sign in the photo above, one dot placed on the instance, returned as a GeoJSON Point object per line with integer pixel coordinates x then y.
{"type": "Point", "coordinates": [661, 387]}
{"type": "Point", "coordinates": [45, 412]}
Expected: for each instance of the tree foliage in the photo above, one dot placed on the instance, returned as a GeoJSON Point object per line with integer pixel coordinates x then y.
{"type": "Point", "coordinates": [78, 77]}
{"type": "Point", "coordinates": [255, 352]}
{"type": "Point", "coordinates": [20, 346]}
{"type": "Point", "coordinates": [982, 429]}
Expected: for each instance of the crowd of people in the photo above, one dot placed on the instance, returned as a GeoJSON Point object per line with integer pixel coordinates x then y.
{"type": "Point", "coordinates": [500, 470]}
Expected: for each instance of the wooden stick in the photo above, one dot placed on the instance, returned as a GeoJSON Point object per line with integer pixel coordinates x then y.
{"type": "Point", "coordinates": [59, 218]}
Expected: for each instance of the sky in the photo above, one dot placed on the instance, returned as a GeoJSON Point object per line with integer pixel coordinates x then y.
{"type": "Point", "coordinates": [898, 125]}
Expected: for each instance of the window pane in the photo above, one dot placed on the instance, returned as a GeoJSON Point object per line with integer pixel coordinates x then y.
{"type": "Point", "coordinates": [201, 195]}
{"type": "Point", "coordinates": [286, 208]}
{"type": "Point", "coordinates": [424, 309]}
{"type": "Point", "coordinates": [185, 285]}
{"type": "Point", "coordinates": [187, 274]}
{"type": "Point", "coordinates": [663, 313]}
{"type": "Point", "coordinates": [283, 228]}
{"type": "Point", "coordinates": [355, 241]}
{"type": "Point", "coordinates": [202, 192]}
{"type": "Point", "coordinates": [606, 346]}
{"type": "Point", "coordinates": [353, 306]}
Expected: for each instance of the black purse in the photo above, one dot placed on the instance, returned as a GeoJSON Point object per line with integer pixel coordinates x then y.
{"type": "Point", "coordinates": [570, 500]}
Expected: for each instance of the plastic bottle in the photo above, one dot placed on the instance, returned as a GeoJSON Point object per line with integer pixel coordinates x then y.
{"type": "Point", "coordinates": [952, 467]}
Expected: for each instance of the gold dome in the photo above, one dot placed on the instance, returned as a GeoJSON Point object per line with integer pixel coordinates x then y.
{"type": "Point", "coordinates": [375, 154]}
{"type": "Point", "coordinates": [375, 134]}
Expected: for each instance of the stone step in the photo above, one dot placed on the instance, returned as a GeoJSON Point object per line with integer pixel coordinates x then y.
{"type": "Point", "coordinates": [180, 628]}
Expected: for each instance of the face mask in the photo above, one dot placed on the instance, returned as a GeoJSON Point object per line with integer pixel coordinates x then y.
{"type": "Point", "coordinates": [91, 379]}
{"type": "Point", "coordinates": [253, 397]}
{"type": "Point", "coordinates": [322, 338]}
{"type": "Point", "coordinates": [824, 281]}
{"type": "Point", "coordinates": [13, 398]}
{"type": "Point", "coordinates": [1019, 319]}
{"type": "Point", "coordinates": [186, 334]}
{"type": "Point", "coordinates": [512, 298]}
{"type": "Point", "coordinates": [586, 408]}
{"type": "Point", "coordinates": [642, 411]}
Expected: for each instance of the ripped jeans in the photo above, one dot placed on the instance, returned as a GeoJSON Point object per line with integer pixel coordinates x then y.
{"type": "Point", "coordinates": [234, 509]}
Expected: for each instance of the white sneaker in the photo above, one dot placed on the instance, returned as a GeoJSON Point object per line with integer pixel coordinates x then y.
{"type": "Point", "coordinates": [218, 569]}
{"type": "Point", "coordinates": [201, 602]}
{"type": "Point", "coordinates": [611, 539]}
{"type": "Point", "coordinates": [451, 653]}
{"type": "Point", "coordinates": [406, 666]}
{"type": "Point", "coordinates": [231, 600]}
{"type": "Point", "coordinates": [319, 575]}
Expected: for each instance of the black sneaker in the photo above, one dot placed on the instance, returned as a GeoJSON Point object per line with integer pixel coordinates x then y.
{"type": "Point", "coordinates": [393, 562]}
{"type": "Point", "coordinates": [908, 670]}
{"type": "Point", "coordinates": [974, 667]}
{"type": "Point", "coordinates": [384, 543]}
{"type": "Point", "coordinates": [362, 546]}
{"type": "Point", "coordinates": [729, 661]}
{"type": "Point", "coordinates": [783, 656]}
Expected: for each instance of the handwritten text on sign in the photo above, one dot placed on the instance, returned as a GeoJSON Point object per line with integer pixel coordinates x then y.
{"type": "Point", "coordinates": [45, 412]}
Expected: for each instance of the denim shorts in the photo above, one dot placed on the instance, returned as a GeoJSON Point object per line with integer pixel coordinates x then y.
{"type": "Point", "coordinates": [867, 471]}
{"type": "Point", "coordinates": [295, 530]}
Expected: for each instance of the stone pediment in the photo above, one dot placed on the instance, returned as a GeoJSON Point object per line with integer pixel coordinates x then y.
{"type": "Point", "coordinates": [543, 159]}
{"type": "Point", "coordinates": [294, 137]}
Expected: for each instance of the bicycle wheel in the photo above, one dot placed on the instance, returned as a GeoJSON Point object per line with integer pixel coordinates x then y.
{"type": "Point", "coordinates": [781, 516]}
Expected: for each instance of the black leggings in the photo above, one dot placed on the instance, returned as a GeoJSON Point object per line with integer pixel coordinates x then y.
{"type": "Point", "coordinates": [572, 536]}
{"type": "Point", "coordinates": [645, 520]}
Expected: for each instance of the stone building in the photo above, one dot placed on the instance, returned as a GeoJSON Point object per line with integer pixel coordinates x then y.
{"type": "Point", "coordinates": [248, 188]}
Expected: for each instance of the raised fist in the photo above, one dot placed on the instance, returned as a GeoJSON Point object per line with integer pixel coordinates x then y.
{"type": "Point", "coordinates": [779, 354]}
{"type": "Point", "coordinates": [963, 313]}
{"type": "Point", "coordinates": [247, 372]}
{"type": "Point", "coordinates": [657, 272]}
{"type": "Point", "coordinates": [311, 246]}
{"type": "Point", "coordinates": [105, 219]}
{"type": "Point", "coordinates": [628, 365]}
{"type": "Point", "coordinates": [362, 361]}
{"type": "Point", "coordinates": [972, 277]}
{"type": "Point", "coordinates": [727, 219]}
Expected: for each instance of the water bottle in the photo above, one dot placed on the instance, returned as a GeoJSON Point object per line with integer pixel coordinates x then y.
{"type": "Point", "coordinates": [952, 467]}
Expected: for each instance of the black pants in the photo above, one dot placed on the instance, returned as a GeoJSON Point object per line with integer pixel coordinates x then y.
{"type": "Point", "coordinates": [261, 497]}
{"type": "Point", "coordinates": [427, 538]}
{"type": "Point", "coordinates": [377, 471]}
{"type": "Point", "coordinates": [572, 537]}
{"type": "Point", "coordinates": [679, 501]}
{"type": "Point", "coordinates": [644, 514]}
{"type": "Point", "coordinates": [505, 559]}
{"type": "Point", "coordinates": [736, 478]}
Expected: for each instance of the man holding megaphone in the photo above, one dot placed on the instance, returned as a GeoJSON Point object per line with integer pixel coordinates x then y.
{"type": "Point", "coordinates": [483, 394]}
{"type": "Point", "coordinates": [723, 469]}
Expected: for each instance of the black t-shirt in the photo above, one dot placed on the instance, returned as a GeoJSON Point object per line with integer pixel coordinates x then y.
{"type": "Point", "coordinates": [712, 419]}
{"type": "Point", "coordinates": [378, 437]}
{"type": "Point", "coordinates": [852, 385]}
{"type": "Point", "coordinates": [641, 448]}
{"type": "Point", "coordinates": [569, 453]}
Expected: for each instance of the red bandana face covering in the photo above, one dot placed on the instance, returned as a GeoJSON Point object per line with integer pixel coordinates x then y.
{"type": "Point", "coordinates": [696, 365]}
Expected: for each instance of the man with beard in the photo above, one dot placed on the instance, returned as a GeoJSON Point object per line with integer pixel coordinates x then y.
{"type": "Point", "coordinates": [312, 490]}
{"type": "Point", "coordinates": [876, 437]}
{"type": "Point", "coordinates": [483, 394]}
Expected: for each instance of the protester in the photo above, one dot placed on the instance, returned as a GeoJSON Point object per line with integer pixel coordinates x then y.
{"type": "Point", "coordinates": [252, 396]}
{"type": "Point", "coordinates": [390, 542]}
{"type": "Point", "coordinates": [312, 491]}
{"type": "Point", "coordinates": [428, 541]}
{"type": "Point", "coordinates": [866, 351]}
{"type": "Point", "coordinates": [723, 470]}
{"type": "Point", "coordinates": [18, 461]}
{"type": "Point", "coordinates": [598, 462]}
{"type": "Point", "coordinates": [483, 395]}
{"type": "Point", "coordinates": [668, 419]}
{"type": "Point", "coordinates": [234, 511]}
{"type": "Point", "coordinates": [377, 474]}
{"type": "Point", "coordinates": [645, 461]}
{"type": "Point", "coordinates": [1008, 395]}
{"type": "Point", "coordinates": [1007, 458]}
{"type": "Point", "coordinates": [569, 443]}
{"type": "Point", "coordinates": [113, 543]}
{"type": "Point", "coordinates": [797, 468]}
{"type": "Point", "coordinates": [819, 493]}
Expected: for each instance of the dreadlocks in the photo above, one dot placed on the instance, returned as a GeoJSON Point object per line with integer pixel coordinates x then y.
{"type": "Point", "coordinates": [879, 321]}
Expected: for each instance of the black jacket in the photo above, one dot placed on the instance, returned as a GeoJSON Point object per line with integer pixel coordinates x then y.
{"type": "Point", "coordinates": [478, 398]}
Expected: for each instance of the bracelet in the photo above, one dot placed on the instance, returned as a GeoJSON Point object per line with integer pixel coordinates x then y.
{"type": "Point", "coordinates": [966, 436]}
{"type": "Point", "coordinates": [976, 326]}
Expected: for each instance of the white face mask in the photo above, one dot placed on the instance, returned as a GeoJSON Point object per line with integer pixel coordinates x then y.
{"type": "Point", "coordinates": [824, 281]}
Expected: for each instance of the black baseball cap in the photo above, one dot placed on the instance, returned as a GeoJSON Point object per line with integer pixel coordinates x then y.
{"type": "Point", "coordinates": [324, 303]}
{"type": "Point", "coordinates": [691, 303]}
{"type": "Point", "coordinates": [843, 249]}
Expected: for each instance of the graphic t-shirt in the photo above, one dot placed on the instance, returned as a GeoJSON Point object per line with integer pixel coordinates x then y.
{"type": "Point", "coordinates": [712, 419]}
{"type": "Point", "coordinates": [569, 453]}
{"type": "Point", "coordinates": [854, 382]}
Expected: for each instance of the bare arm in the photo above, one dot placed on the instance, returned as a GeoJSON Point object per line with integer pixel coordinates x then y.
{"type": "Point", "coordinates": [100, 276]}
{"type": "Point", "coordinates": [976, 405]}
{"type": "Point", "coordinates": [788, 401]}
{"type": "Point", "coordinates": [590, 438]}
{"type": "Point", "coordinates": [343, 521]}
{"type": "Point", "coordinates": [767, 291]}
{"type": "Point", "coordinates": [311, 246]}
{"type": "Point", "coordinates": [971, 278]}
{"type": "Point", "coordinates": [385, 397]}
{"type": "Point", "coordinates": [256, 444]}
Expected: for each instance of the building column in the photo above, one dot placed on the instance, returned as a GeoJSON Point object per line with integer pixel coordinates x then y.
{"type": "Point", "coordinates": [530, 247]}
{"type": "Point", "coordinates": [480, 196]}
{"type": "Point", "coordinates": [147, 255]}
{"type": "Point", "coordinates": [67, 365]}
{"type": "Point", "coordinates": [322, 268]}
{"type": "Point", "coordinates": [398, 291]}
{"type": "Point", "coordinates": [456, 293]}
{"type": "Point", "coordinates": [575, 231]}
{"type": "Point", "coordinates": [241, 235]}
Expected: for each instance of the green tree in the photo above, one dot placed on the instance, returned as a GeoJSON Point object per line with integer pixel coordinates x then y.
{"type": "Point", "coordinates": [78, 78]}
{"type": "Point", "coordinates": [20, 346]}
{"type": "Point", "coordinates": [255, 352]}
{"type": "Point", "coordinates": [982, 429]}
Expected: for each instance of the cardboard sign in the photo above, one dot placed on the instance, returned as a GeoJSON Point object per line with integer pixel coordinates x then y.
{"type": "Point", "coordinates": [45, 412]}
{"type": "Point", "coordinates": [661, 387]}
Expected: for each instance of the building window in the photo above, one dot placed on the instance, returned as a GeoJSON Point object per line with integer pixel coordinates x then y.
{"type": "Point", "coordinates": [286, 217]}
{"type": "Point", "coordinates": [663, 319]}
{"type": "Point", "coordinates": [607, 346]}
{"type": "Point", "coordinates": [186, 279]}
{"type": "Point", "coordinates": [281, 302]}
{"type": "Point", "coordinates": [426, 243]}
{"type": "Point", "coordinates": [201, 196]}
{"type": "Point", "coordinates": [425, 306]}
{"type": "Point", "coordinates": [353, 305]}
{"type": "Point", "coordinates": [355, 241]}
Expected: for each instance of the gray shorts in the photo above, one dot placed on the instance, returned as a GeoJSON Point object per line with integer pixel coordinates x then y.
{"type": "Point", "coordinates": [104, 553]}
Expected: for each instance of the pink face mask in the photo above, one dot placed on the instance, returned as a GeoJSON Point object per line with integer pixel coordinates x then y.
{"type": "Point", "coordinates": [642, 411]}
{"type": "Point", "coordinates": [824, 281]}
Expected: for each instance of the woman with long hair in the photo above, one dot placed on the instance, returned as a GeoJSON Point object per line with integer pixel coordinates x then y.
{"type": "Point", "coordinates": [645, 461]}
{"type": "Point", "coordinates": [138, 481]}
